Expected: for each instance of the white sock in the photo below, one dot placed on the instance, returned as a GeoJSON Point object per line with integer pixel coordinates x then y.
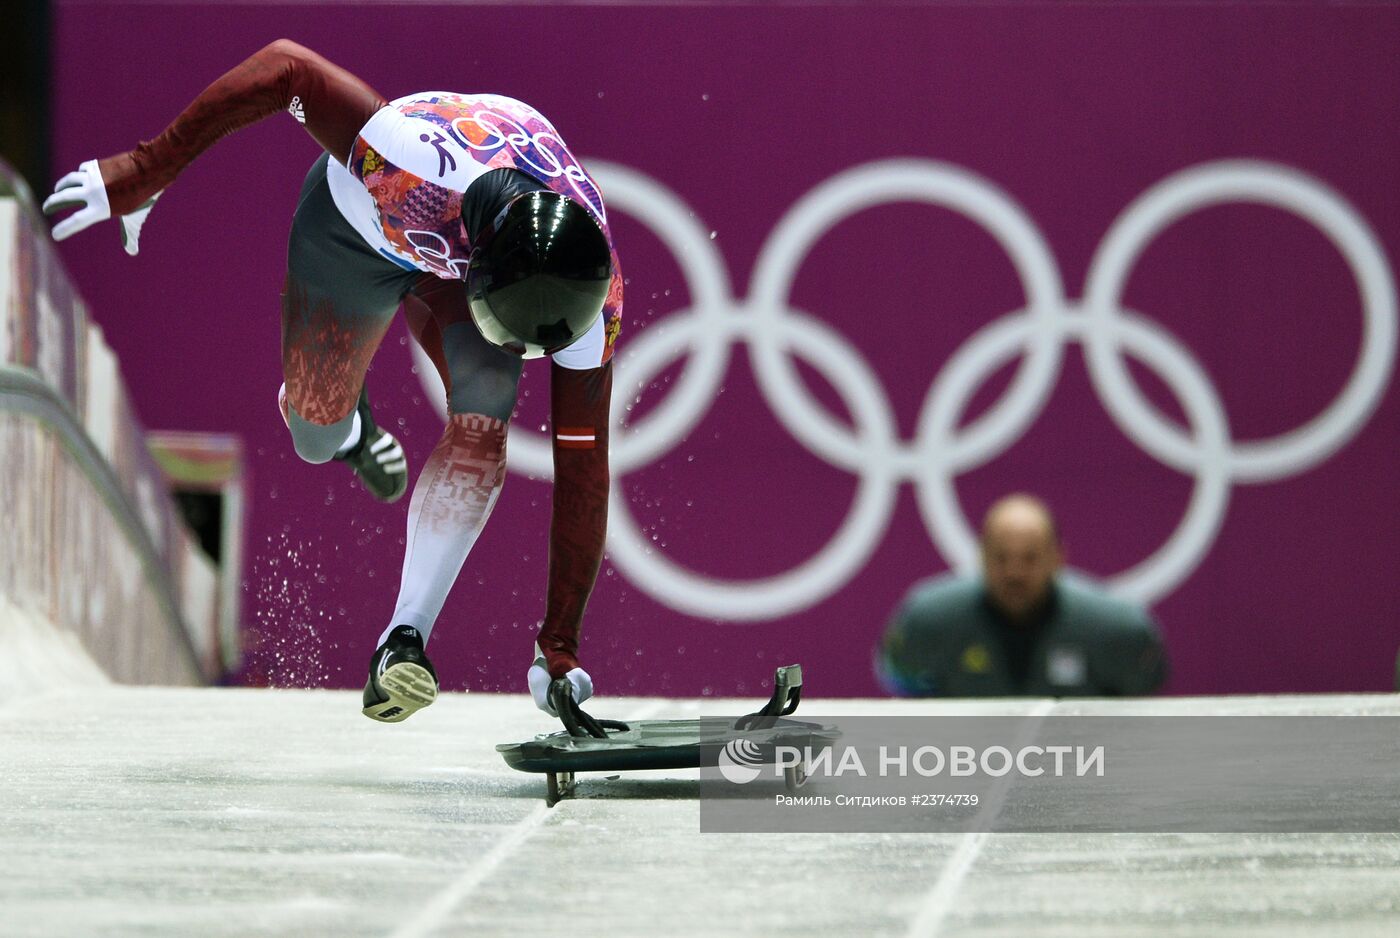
{"type": "Point", "coordinates": [353, 439]}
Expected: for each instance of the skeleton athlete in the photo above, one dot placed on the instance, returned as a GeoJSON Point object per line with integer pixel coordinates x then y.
{"type": "Point", "coordinates": [469, 211]}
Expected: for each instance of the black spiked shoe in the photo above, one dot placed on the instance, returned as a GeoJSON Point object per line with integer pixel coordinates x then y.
{"type": "Point", "coordinates": [377, 459]}
{"type": "Point", "coordinates": [401, 679]}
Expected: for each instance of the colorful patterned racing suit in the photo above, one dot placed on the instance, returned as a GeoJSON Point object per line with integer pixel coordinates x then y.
{"type": "Point", "coordinates": [396, 176]}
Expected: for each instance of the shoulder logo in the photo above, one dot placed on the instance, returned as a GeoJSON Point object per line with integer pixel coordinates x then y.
{"type": "Point", "coordinates": [297, 110]}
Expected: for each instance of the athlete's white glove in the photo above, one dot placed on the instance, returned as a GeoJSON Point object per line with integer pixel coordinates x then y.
{"type": "Point", "coordinates": [540, 680]}
{"type": "Point", "coordinates": [85, 188]}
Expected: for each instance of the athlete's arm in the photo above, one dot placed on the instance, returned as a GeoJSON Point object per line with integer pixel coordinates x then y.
{"type": "Point", "coordinates": [579, 402]}
{"type": "Point", "coordinates": [335, 105]}
{"type": "Point", "coordinates": [332, 103]}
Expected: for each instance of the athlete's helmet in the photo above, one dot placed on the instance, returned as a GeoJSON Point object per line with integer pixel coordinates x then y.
{"type": "Point", "coordinates": [539, 275]}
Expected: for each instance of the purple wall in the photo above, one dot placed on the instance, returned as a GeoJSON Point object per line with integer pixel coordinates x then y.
{"type": "Point", "coordinates": [1070, 113]}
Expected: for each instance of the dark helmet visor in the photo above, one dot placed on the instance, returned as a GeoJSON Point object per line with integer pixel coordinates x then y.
{"type": "Point", "coordinates": [540, 275]}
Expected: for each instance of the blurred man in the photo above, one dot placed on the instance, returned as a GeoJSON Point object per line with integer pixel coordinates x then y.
{"type": "Point", "coordinates": [469, 211]}
{"type": "Point", "coordinates": [1024, 627]}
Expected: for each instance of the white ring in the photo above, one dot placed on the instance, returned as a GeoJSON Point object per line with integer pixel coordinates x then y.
{"type": "Point", "coordinates": [993, 346]}
{"type": "Point", "coordinates": [1270, 184]}
{"type": "Point", "coordinates": [808, 583]}
{"type": "Point", "coordinates": [878, 183]}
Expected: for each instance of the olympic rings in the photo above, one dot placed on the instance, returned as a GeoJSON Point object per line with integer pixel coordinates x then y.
{"type": "Point", "coordinates": [940, 451]}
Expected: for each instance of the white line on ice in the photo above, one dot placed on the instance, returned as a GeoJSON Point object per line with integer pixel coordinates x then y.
{"type": "Point", "coordinates": [436, 911]}
{"type": "Point", "coordinates": [444, 902]}
{"type": "Point", "coordinates": [939, 901]}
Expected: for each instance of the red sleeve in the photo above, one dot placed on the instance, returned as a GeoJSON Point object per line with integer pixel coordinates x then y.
{"type": "Point", "coordinates": [335, 105]}
{"type": "Point", "coordinates": [578, 526]}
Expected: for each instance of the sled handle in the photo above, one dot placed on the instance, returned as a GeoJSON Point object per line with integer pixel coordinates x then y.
{"type": "Point", "coordinates": [787, 693]}
{"type": "Point", "coordinates": [578, 723]}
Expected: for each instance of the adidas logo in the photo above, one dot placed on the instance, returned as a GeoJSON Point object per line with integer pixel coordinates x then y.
{"type": "Point", "coordinates": [297, 110]}
{"type": "Point", "coordinates": [389, 454]}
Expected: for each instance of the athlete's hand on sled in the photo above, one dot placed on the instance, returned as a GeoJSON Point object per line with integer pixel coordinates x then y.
{"type": "Point", "coordinates": [540, 680]}
{"type": "Point", "coordinates": [85, 191]}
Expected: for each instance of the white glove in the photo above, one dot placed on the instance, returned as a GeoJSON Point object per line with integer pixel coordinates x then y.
{"type": "Point", "coordinates": [540, 680]}
{"type": "Point", "coordinates": [85, 188]}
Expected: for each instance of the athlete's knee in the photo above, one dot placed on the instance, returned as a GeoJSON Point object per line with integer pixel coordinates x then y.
{"type": "Point", "coordinates": [314, 451]}
{"type": "Point", "coordinates": [479, 439]}
{"type": "Point", "coordinates": [317, 443]}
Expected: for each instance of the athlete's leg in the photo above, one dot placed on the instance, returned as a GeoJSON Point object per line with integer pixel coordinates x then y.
{"type": "Point", "coordinates": [463, 477]}
{"type": "Point", "coordinates": [339, 300]}
{"type": "Point", "coordinates": [325, 354]}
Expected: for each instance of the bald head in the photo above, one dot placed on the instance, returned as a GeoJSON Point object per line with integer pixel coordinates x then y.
{"type": "Point", "coordinates": [1020, 554]}
{"type": "Point", "coordinates": [1020, 515]}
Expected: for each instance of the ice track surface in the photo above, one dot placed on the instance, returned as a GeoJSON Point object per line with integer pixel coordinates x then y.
{"type": "Point", "coordinates": [146, 811]}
